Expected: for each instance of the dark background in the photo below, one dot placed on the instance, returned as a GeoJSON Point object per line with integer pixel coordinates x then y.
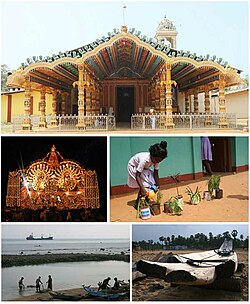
{"type": "Point", "coordinates": [89, 152]}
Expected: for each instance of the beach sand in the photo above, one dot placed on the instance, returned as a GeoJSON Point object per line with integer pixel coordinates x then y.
{"type": "Point", "coordinates": [233, 207]}
{"type": "Point", "coordinates": [146, 289]}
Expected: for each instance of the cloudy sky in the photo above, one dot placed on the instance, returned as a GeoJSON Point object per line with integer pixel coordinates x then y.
{"type": "Point", "coordinates": [33, 28]}
{"type": "Point", "coordinates": [153, 232]}
{"type": "Point", "coordinates": [66, 230]}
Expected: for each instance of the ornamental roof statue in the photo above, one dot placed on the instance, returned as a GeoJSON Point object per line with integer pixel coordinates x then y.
{"type": "Point", "coordinates": [165, 24]}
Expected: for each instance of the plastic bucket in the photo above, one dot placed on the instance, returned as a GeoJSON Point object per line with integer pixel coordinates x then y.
{"type": "Point", "coordinates": [145, 213]}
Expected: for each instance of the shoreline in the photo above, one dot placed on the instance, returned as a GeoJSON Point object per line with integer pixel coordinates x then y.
{"type": "Point", "coordinates": [45, 296]}
{"type": "Point", "coordinates": [11, 260]}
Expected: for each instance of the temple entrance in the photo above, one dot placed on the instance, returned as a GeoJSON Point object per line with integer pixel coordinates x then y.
{"type": "Point", "coordinates": [125, 104]}
{"type": "Point", "coordinates": [222, 158]}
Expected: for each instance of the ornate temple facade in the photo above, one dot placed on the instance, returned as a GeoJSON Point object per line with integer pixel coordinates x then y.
{"type": "Point", "coordinates": [122, 74]}
{"type": "Point", "coordinates": [53, 182]}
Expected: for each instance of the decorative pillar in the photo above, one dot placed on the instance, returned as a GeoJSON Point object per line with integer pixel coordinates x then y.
{"type": "Point", "coordinates": [222, 103]}
{"type": "Point", "coordinates": [27, 121]}
{"type": "Point", "coordinates": [208, 120]}
{"type": "Point", "coordinates": [169, 109]}
{"type": "Point", "coordinates": [196, 103]}
{"type": "Point", "coordinates": [97, 100]}
{"type": "Point", "coordinates": [53, 121]}
{"type": "Point", "coordinates": [187, 105]}
{"type": "Point", "coordinates": [64, 97]}
{"type": "Point", "coordinates": [93, 101]}
{"type": "Point", "coordinates": [81, 97]}
{"type": "Point", "coordinates": [162, 100]}
{"type": "Point", "coordinates": [157, 98]}
{"type": "Point", "coordinates": [88, 95]}
{"type": "Point", "coordinates": [42, 106]}
{"type": "Point", "coordinates": [153, 98]}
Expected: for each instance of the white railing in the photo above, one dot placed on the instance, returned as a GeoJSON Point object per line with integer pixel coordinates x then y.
{"type": "Point", "coordinates": [181, 121]}
{"type": "Point", "coordinates": [66, 123]}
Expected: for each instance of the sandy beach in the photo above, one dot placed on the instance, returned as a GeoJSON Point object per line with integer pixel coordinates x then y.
{"type": "Point", "coordinates": [152, 289]}
{"type": "Point", "coordinates": [45, 296]}
{"type": "Point", "coordinates": [233, 207]}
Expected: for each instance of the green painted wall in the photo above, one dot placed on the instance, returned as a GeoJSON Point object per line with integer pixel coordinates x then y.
{"type": "Point", "coordinates": [184, 155]}
{"type": "Point", "coordinates": [239, 151]}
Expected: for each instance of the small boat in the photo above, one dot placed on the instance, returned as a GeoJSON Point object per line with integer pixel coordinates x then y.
{"type": "Point", "coordinates": [200, 268]}
{"type": "Point", "coordinates": [109, 295]}
{"type": "Point", "coordinates": [65, 296]}
{"type": "Point", "coordinates": [42, 238]}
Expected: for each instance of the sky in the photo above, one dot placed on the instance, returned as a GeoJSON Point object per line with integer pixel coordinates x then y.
{"type": "Point", "coordinates": [153, 232]}
{"type": "Point", "coordinates": [47, 27]}
{"type": "Point", "coordinates": [67, 230]}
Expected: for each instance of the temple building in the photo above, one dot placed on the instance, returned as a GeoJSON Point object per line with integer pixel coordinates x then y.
{"type": "Point", "coordinates": [53, 182]}
{"type": "Point", "coordinates": [121, 74]}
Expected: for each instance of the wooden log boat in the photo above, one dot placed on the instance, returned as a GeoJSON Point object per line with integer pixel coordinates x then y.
{"type": "Point", "coordinates": [66, 297]}
{"type": "Point", "coordinates": [108, 295]}
{"type": "Point", "coordinates": [193, 268]}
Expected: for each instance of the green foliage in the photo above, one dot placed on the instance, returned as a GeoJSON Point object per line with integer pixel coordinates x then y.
{"type": "Point", "coordinates": [195, 196]}
{"type": "Point", "coordinates": [159, 197]}
{"type": "Point", "coordinates": [213, 183]}
{"type": "Point", "coordinates": [4, 75]}
{"type": "Point", "coordinates": [194, 241]}
{"type": "Point", "coordinates": [142, 203]}
{"type": "Point", "coordinates": [175, 204]}
{"type": "Point", "coordinates": [175, 178]}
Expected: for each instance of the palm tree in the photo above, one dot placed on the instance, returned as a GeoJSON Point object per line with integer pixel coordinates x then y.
{"type": "Point", "coordinates": [234, 233]}
{"type": "Point", "coordinates": [162, 239]}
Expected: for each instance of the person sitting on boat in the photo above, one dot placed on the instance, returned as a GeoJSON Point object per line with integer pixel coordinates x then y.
{"type": "Point", "coordinates": [116, 284]}
{"type": "Point", "coordinates": [49, 282]}
{"type": "Point", "coordinates": [105, 284]}
{"type": "Point", "coordinates": [21, 284]}
{"type": "Point", "coordinates": [38, 283]}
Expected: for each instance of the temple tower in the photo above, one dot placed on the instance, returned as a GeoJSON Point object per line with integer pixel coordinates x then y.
{"type": "Point", "coordinates": [166, 33]}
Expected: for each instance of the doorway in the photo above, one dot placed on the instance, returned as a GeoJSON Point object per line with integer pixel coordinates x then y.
{"type": "Point", "coordinates": [125, 103]}
{"type": "Point", "coordinates": [221, 150]}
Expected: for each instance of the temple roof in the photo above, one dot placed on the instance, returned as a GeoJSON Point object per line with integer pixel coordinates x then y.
{"type": "Point", "coordinates": [123, 54]}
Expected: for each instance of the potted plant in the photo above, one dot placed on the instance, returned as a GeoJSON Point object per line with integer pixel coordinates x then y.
{"type": "Point", "coordinates": [176, 180]}
{"type": "Point", "coordinates": [155, 204]}
{"type": "Point", "coordinates": [214, 184]}
{"type": "Point", "coordinates": [174, 206]}
{"type": "Point", "coordinates": [195, 196]}
{"type": "Point", "coordinates": [143, 208]}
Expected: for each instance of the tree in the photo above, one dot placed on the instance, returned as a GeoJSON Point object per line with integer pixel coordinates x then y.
{"type": "Point", "coordinates": [4, 74]}
{"type": "Point", "coordinates": [161, 239]}
{"type": "Point", "coordinates": [246, 80]}
{"type": "Point", "coordinates": [234, 233]}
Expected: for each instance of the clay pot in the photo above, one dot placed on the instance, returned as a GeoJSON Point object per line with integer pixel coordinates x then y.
{"type": "Point", "coordinates": [167, 209]}
{"type": "Point", "coordinates": [156, 208]}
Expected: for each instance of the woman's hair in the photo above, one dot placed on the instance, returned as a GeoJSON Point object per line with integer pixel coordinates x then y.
{"type": "Point", "coordinates": [159, 150]}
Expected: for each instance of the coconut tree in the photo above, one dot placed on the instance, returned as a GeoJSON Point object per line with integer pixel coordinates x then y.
{"type": "Point", "coordinates": [234, 233]}
{"type": "Point", "coordinates": [162, 239]}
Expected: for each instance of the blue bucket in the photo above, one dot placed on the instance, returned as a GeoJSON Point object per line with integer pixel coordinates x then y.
{"type": "Point", "coordinates": [145, 213]}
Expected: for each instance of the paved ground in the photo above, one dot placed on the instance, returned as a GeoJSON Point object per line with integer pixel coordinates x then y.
{"type": "Point", "coordinates": [7, 128]}
{"type": "Point", "coordinates": [233, 207]}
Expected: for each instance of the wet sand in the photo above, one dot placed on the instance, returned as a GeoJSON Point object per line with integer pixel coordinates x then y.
{"type": "Point", "coordinates": [45, 296]}
{"type": "Point", "coordinates": [148, 289]}
{"type": "Point", "coordinates": [34, 259]}
{"type": "Point", "coordinates": [233, 207]}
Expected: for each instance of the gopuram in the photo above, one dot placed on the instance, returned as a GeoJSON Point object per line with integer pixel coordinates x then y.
{"type": "Point", "coordinates": [53, 182]}
{"type": "Point", "coordinates": [120, 75]}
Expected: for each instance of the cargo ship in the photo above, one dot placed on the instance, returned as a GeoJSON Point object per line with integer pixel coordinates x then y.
{"type": "Point", "coordinates": [42, 238]}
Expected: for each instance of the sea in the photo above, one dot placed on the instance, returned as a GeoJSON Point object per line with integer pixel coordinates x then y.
{"type": "Point", "coordinates": [65, 275]}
